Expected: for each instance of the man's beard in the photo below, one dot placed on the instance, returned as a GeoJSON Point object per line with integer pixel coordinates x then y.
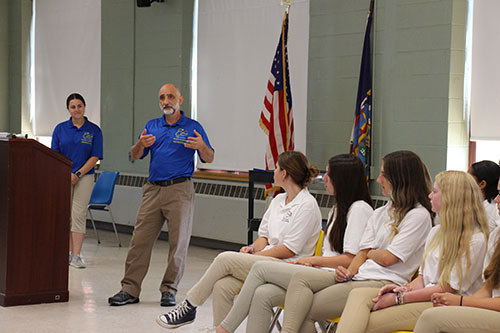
{"type": "Point", "coordinates": [169, 109]}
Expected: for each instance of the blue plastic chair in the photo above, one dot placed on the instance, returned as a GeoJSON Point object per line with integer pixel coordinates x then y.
{"type": "Point", "coordinates": [101, 198]}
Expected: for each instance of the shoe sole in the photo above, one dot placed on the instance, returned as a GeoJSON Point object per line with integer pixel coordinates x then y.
{"type": "Point", "coordinates": [75, 266]}
{"type": "Point", "coordinates": [165, 325]}
{"type": "Point", "coordinates": [167, 304]}
{"type": "Point", "coordinates": [123, 303]}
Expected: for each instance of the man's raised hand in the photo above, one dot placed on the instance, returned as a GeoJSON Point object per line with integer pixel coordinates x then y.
{"type": "Point", "coordinates": [147, 140]}
{"type": "Point", "coordinates": [195, 142]}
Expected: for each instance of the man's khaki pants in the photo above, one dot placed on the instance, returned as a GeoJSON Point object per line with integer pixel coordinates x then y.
{"type": "Point", "coordinates": [175, 204]}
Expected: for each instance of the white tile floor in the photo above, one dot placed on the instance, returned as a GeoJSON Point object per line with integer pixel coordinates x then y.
{"type": "Point", "coordinates": [88, 310]}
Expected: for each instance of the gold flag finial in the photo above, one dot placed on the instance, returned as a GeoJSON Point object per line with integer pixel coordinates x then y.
{"type": "Point", "coordinates": [288, 3]}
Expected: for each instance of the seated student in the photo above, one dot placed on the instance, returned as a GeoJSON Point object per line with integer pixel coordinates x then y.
{"type": "Point", "coordinates": [452, 262]}
{"type": "Point", "coordinates": [391, 247]}
{"type": "Point", "coordinates": [477, 313]}
{"type": "Point", "coordinates": [487, 174]}
{"type": "Point", "coordinates": [266, 284]}
{"type": "Point", "coordinates": [289, 230]}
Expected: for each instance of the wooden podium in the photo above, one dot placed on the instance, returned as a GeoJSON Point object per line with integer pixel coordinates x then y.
{"type": "Point", "coordinates": [35, 194]}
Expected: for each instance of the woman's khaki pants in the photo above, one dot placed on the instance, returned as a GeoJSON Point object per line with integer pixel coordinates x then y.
{"type": "Point", "coordinates": [458, 319]}
{"type": "Point", "coordinates": [358, 318]}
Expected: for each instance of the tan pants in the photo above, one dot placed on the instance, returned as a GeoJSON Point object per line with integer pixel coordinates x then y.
{"type": "Point", "coordinates": [458, 319]}
{"type": "Point", "coordinates": [224, 278]}
{"type": "Point", "coordinates": [313, 295]}
{"type": "Point", "coordinates": [80, 196]}
{"type": "Point", "coordinates": [358, 318]}
{"type": "Point", "coordinates": [175, 204]}
{"type": "Point", "coordinates": [264, 288]}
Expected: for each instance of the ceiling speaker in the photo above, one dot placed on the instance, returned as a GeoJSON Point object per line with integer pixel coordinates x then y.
{"type": "Point", "coordinates": [147, 3]}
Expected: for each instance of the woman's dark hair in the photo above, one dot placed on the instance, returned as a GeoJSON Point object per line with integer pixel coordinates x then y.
{"type": "Point", "coordinates": [410, 184]}
{"type": "Point", "coordinates": [489, 172]}
{"type": "Point", "coordinates": [348, 178]}
{"type": "Point", "coordinates": [74, 96]}
{"type": "Point", "coordinates": [297, 167]}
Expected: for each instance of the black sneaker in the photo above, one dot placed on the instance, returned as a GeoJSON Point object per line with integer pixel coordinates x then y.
{"type": "Point", "coordinates": [167, 299]}
{"type": "Point", "coordinates": [182, 314]}
{"type": "Point", "coordinates": [122, 298]}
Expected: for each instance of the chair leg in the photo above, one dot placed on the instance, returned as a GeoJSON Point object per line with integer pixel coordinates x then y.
{"type": "Point", "coordinates": [114, 226]}
{"type": "Point", "coordinates": [332, 327]}
{"type": "Point", "coordinates": [274, 321]}
{"type": "Point", "coordinates": [93, 224]}
{"type": "Point", "coordinates": [278, 325]}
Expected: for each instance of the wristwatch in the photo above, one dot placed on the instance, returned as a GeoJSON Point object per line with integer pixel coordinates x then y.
{"type": "Point", "coordinates": [78, 174]}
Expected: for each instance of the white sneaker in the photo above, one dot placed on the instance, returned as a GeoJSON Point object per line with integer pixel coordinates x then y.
{"type": "Point", "coordinates": [78, 262]}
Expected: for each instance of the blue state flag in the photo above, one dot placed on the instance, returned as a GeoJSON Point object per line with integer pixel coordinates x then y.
{"type": "Point", "coordinates": [361, 134]}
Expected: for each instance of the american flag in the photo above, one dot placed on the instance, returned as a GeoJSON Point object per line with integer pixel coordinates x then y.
{"type": "Point", "coordinates": [361, 133]}
{"type": "Point", "coordinates": [276, 118]}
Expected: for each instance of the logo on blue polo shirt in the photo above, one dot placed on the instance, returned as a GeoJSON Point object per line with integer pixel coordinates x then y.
{"type": "Point", "coordinates": [181, 136]}
{"type": "Point", "coordinates": [87, 138]}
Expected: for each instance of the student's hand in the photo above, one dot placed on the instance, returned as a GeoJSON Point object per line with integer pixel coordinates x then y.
{"type": "Point", "coordinates": [400, 288]}
{"type": "Point", "coordinates": [146, 140]}
{"type": "Point", "coordinates": [442, 299]}
{"type": "Point", "coordinates": [305, 261]}
{"type": "Point", "coordinates": [342, 274]}
{"type": "Point", "coordinates": [248, 249]}
{"type": "Point", "coordinates": [390, 288]}
{"type": "Point", "coordinates": [385, 301]}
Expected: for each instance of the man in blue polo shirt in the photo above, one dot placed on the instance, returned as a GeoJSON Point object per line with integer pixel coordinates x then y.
{"type": "Point", "coordinates": [168, 195]}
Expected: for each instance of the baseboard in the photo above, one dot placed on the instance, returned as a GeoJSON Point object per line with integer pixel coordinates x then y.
{"type": "Point", "coordinates": [197, 241]}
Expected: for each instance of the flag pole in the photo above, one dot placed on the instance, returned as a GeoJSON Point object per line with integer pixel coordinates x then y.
{"type": "Point", "coordinates": [372, 67]}
{"type": "Point", "coordinates": [285, 90]}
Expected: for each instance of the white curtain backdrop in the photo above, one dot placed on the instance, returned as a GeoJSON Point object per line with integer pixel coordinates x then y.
{"type": "Point", "coordinates": [67, 60]}
{"type": "Point", "coordinates": [237, 41]}
{"type": "Point", "coordinates": [485, 71]}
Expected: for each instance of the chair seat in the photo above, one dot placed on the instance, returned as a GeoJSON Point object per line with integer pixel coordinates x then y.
{"type": "Point", "coordinates": [98, 207]}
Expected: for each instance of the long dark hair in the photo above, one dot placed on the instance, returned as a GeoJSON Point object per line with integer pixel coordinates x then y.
{"type": "Point", "coordinates": [347, 175]}
{"type": "Point", "coordinates": [410, 185]}
{"type": "Point", "coordinates": [489, 172]}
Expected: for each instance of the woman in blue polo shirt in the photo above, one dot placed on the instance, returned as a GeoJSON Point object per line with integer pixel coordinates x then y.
{"type": "Point", "coordinates": [81, 141]}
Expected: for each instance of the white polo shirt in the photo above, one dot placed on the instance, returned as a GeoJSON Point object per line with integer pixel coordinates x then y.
{"type": "Point", "coordinates": [358, 215]}
{"type": "Point", "coordinates": [492, 243]}
{"type": "Point", "coordinates": [477, 250]}
{"type": "Point", "coordinates": [295, 225]}
{"type": "Point", "coordinates": [407, 245]}
{"type": "Point", "coordinates": [491, 210]}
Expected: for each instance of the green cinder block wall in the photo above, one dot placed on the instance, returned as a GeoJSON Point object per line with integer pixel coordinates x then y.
{"type": "Point", "coordinates": [142, 48]}
{"type": "Point", "coordinates": [411, 67]}
{"type": "Point", "coordinates": [4, 65]}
